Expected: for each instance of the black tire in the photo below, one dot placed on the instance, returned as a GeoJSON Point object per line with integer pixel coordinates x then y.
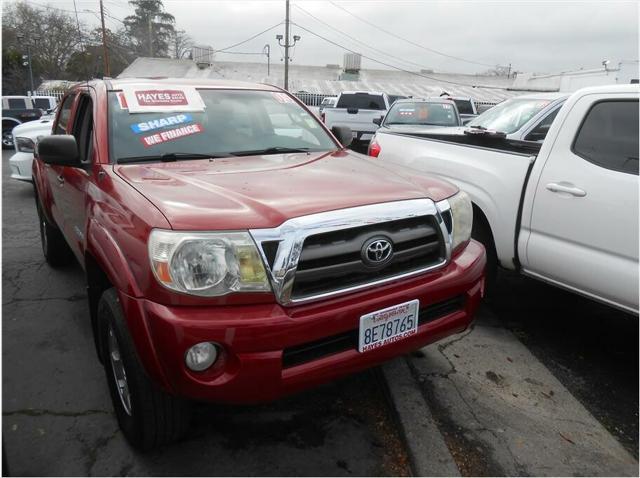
{"type": "Point", "coordinates": [7, 140]}
{"type": "Point", "coordinates": [54, 247]}
{"type": "Point", "coordinates": [154, 417]}
{"type": "Point", "coordinates": [481, 232]}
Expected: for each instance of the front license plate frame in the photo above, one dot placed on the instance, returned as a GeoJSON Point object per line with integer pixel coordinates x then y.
{"type": "Point", "coordinates": [389, 325]}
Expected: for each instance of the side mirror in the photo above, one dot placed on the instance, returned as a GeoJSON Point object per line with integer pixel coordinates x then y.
{"type": "Point", "coordinates": [378, 121]}
{"type": "Point", "coordinates": [58, 149]}
{"type": "Point", "coordinates": [343, 134]}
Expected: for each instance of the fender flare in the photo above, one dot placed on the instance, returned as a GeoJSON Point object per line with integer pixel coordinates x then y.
{"type": "Point", "coordinates": [104, 250]}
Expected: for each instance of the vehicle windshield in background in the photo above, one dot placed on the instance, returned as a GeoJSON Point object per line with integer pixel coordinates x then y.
{"type": "Point", "coordinates": [421, 113]}
{"type": "Point", "coordinates": [464, 107]}
{"type": "Point", "coordinates": [233, 122]}
{"type": "Point", "coordinates": [509, 116]}
{"type": "Point", "coordinates": [364, 101]}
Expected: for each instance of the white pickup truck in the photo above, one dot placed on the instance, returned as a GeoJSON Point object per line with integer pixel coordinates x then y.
{"type": "Point", "coordinates": [358, 110]}
{"type": "Point", "coordinates": [566, 211]}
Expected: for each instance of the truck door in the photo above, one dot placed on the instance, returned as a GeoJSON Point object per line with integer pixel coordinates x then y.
{"type": "Point", "coordinates": [54, 173]}
{"type": "Point", "coordinates": [76, 179]}
{"type": "Point", "coordinates": [584, 222]}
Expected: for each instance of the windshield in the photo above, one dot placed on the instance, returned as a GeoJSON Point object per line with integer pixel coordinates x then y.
{"type": "Point", "coordinates": [509, 116]}
{"type": "Point", "coordinates": [233, 121]}
{"type": "Point", "coordinates": [421, 113]}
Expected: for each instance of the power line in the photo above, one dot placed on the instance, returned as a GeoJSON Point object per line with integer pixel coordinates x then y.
{"type": "Point", "coordinates": [407, 40]}
{"type": "Point", "coordinates": [394, 66]}
{"type": "Point", "coordinates": [249, 39]}
{"type": "Point", "coordinates": [359, 41]}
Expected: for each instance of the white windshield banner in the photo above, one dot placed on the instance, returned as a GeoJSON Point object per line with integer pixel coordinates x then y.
{"type": "Point", "coordinates": [160, 99]}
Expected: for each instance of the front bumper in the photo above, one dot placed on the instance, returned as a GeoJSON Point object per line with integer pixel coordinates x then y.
{"type": "Point", "coordinates": [20, 164]}
{"type": "Point", "coordinates": [259, 340]}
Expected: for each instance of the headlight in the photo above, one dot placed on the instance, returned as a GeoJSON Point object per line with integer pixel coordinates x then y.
{"type": "Point", "coordinates": [24, 145]}
{"type": "Point", "coordinates": [207, 264]}
{"type": "Point", "coordinates": [461, 219]}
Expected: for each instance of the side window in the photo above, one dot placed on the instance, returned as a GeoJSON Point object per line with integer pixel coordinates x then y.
{"type": "Point", "coordinates": [539, 133]}
{"type": "Point", "coordinates": [18, 104]}
{"type": "Point", "coordinates": [608, 136]}
{"type": "Point", "coordinates": [65, 113]}
{"type": "Point", "coordinates": [83, 129]}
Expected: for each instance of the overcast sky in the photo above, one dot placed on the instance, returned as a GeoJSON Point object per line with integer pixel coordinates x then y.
{"type": "Point", "coordinates": [539, 36]}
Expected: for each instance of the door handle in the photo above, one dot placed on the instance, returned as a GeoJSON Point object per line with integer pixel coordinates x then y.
{"type": "Point", "coordinates": [60, 179]}
{"type": "Point", "coordinates": [566, 188]}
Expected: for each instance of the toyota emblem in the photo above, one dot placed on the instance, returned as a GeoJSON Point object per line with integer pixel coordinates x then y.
{"type": "Point", "coordinates": [377, 251]}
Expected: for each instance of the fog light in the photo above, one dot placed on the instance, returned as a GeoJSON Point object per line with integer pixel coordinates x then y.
{"type": "Point", "coordinates": [201, 356]}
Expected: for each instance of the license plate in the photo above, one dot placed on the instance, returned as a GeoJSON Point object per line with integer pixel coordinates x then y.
{"type": "Point", "coordinates": [388, 325]}
{"type": "Point", "coordinates": [354, 134]}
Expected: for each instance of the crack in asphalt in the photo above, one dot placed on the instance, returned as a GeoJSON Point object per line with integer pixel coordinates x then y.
{"type": "Point", "coordinates": [71, 298]}
{"type": "Point", "coordinates": [38, 412]}
{"type": "Point", "coordinates": [521, 469]}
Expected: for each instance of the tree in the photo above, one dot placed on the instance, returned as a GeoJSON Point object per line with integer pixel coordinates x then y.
{"type": "Point", "coordinates": [150, 29]}
{"type": "Point", "coordinates": [58, 37]}
{"type": "Point", "coordinates": [89, 62]}
{"type": "Point", "coordinates": [180, 44]}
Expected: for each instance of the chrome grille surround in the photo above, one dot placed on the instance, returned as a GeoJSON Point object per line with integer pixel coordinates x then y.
{"type": "Point", "coordinates": [292, 233]}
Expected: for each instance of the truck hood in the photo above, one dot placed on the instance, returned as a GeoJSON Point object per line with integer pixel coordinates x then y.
{"type": "Point", "coordinates": [264, 191]}
{"type": "Point", "coordinates": [33, 129]}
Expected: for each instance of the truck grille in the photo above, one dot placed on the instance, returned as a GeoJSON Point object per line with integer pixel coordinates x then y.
{"type": "Point", "coordinates": [332, 261]}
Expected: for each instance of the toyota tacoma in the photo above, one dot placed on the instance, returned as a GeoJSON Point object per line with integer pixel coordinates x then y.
{"type": "Point", "coordinates": [235, 251]}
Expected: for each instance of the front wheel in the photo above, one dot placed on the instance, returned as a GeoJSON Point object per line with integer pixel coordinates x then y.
{"type": "Point", "coordinates": [148, 416]}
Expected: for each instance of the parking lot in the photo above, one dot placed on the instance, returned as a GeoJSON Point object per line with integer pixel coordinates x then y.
{"type": "Point", "coordinates": [544, 354]}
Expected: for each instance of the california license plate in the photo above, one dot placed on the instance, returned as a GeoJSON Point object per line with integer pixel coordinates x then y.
{"type": "Point", "coordinates": [388, 325]}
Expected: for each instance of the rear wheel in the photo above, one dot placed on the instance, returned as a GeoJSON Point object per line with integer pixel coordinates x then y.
{"type": "Point", "coordinates": [54, 247]}
{"type": "Point", "coordinates": [148, 416]}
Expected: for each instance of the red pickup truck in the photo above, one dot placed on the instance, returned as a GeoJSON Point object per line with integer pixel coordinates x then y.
{"type": "Point", "coordinates": [235, 251]}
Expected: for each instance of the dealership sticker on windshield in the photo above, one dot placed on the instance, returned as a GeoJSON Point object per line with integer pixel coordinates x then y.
{"type": "Point", "coordinates": [165, 99]}
{"type": "Point", "coordinates": [171, 134]}
{"type": "Point", "coordinates": [150, 125]}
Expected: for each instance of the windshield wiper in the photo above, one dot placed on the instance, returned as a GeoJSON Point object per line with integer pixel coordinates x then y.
{"type": "Point", "coordinates": [272, 150]}
{"type": "Point", "coordinates": [166, 157]}
{"type": "Point", "coordinates": [474, 126]}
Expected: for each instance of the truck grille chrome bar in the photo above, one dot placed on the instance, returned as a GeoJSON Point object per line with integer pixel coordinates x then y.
{"type": "Point", "coordinates": [323, 255]}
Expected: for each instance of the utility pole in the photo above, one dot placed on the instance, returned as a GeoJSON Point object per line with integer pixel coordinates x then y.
{"type": "Point", "coordinates": [107, 72]}
{"type": "Point", "coordinates": [509, 73]}
{"type": "Point", "coordinates": [150, 36]}
{"type": "Point", "coordinates": [286, 45]}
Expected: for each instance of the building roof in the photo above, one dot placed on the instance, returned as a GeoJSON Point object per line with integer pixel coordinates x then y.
{"type": "Point", "coordinates": [325, 80]}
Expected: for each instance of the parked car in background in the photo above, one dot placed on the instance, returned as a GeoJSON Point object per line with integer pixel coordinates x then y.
{"type": "Point", "coordinates": [25, 137]}
{"type": "Point", "coordinates": [357, 110]}
{"type": "Point", "coordinates": [328, 102]}
{"type": "Point", "coordinates": [232, 261]}
{"type": "Point", "coordinates": [16, 110]}
{"type": "Point", "coordinates": [524, 118]}
{"type": "Point", "coordinates": [566, 211]}
{"type": "Point", "coordinates": [412, 116]}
